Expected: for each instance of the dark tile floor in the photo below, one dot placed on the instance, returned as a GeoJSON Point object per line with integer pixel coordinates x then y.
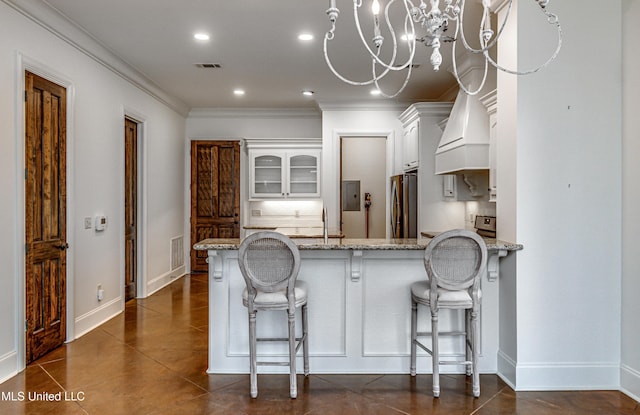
{"type": "Point", "coordinates": [152, 358]}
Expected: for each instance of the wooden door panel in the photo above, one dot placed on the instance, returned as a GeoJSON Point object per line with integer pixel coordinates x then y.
{"type": "Point", "coordinates": [215, 194]}
{"type": "Point", "coordinates": [130, 207]}
{"type": "Point", "coordinates": [45, 215]}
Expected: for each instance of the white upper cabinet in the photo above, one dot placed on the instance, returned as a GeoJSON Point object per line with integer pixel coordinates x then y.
{"type": "Point", "coordinates": [411, 146]}
{"type": "Point", "coordinates": [490, 101]}
{"type": "Point", "coordinates": [280, 174]}
{"type": "Point", "coordinates": [303, 173]}
{"type": "Point", "coordinates": [421, 134]}
{"type": "Point", "coordinates": [267, 174]}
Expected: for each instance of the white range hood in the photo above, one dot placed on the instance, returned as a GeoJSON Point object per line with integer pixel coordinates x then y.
{"type": "Point", "coordinates": [464, 145]}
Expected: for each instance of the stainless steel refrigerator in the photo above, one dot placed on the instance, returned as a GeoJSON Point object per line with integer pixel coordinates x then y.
{"type": "Point", "coordinates": [404, 205]}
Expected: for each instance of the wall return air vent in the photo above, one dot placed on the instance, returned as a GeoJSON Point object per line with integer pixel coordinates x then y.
{"type": "Point", "coordinates": [209, 65]}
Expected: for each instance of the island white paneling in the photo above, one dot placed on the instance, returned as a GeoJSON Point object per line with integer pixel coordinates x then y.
{"type": "Point", "coordinates": [359, 315]}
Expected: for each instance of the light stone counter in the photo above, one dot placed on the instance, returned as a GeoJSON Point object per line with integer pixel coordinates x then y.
{"type": "Point", "coordinates": [307, 243]}
{"type": "Point", "coordinates": [359, 307]}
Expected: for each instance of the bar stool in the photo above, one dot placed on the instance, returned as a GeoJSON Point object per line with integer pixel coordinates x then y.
{"type": "Point", "coordinates": [269, 262]}
{"type": "Point", "coordinates": [455, 261]}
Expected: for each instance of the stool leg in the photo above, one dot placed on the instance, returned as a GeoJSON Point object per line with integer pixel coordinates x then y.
{"type": "Point", "coordinates": [305, 343]}
{"type": "Point", "coordinates": [475, 327]}
{"type": "Point", "coordinates": [292, 354]}
{"type": "Point", "coordinates": [468, 340]}
{"type": "Point", "coordinates": [435, 355]}
{"type": "Point", "coordinates": [252, 355]}
{"type": "Point", "coordinates": [414, 336]}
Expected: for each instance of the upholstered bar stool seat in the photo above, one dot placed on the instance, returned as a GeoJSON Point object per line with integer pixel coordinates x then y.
{"type": "Point", "coordinates": [454, 261]}
{"type": "Point", "coordinates": [277, 300]}
{"type": "Point", "coordinates": [269, 262]}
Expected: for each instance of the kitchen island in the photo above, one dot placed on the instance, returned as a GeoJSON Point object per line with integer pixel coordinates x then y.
{"type": "Point", "coordinates": [359, 308]}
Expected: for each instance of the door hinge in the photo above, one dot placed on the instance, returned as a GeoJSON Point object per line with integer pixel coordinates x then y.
{"type": "Point", "coordinates": [26, 173]}
{"type": "Point", "coordinates": [26, 249]}
{"type": "Point", "coordinates": [25, 96]}
{"type": "Point", "coordinates": [26, 326]}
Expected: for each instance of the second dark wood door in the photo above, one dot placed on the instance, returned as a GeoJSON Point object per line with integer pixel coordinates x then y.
{"type": "Point", "coordinates": [215, 194]}
{"type": "Point", "coordinates": [130, 207]}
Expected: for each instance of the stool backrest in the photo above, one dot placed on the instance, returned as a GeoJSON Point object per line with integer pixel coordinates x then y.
{"type": "Point", "coordinates": [456, 259]}
{"type": "Point", "coordinates": [269, 262]}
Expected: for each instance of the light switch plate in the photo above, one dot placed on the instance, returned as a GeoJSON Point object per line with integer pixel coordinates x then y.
{"type": "Point", "coordinates": [87, 223]}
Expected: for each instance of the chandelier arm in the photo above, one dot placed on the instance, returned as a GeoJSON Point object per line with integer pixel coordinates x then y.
{"type": "Point", "coordinates": [533, 70]}
{"type": "Point", "coordinates": [468, 91]}
{"type": "Point", "coordinates": [336, 73]}
{"type": "Point", "coordinates": [459, 22]}
{"type": "Point", "coordinates": [406, 81]}
{"type": "Point", "coordinates": [390, 65]}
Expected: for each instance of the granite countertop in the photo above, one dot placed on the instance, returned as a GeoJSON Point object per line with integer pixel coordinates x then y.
{"type": "Point", "coordinates": [352, 244]}
{"type": "Point", "coordinates": [492, 243]}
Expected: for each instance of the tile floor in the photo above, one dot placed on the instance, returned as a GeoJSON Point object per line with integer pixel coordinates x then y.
{"type": "Point", "coordinates": [152, 358]}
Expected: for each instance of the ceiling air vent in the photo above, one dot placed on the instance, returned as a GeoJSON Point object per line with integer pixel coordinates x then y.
{"type": "Point", "coordinates": [209, 65]}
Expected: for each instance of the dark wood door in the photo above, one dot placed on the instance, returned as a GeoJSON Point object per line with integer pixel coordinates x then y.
{"type": "Point", "coordinates": [45, 216]}
{"type": "Point", "coordinates": [215, 194]}
{"type": "Point", "coordinates": [130, 207]}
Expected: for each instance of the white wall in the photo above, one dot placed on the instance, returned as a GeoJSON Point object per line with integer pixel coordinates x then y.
{"type": "Point", "coordinates": [630, 359]}
{"type": "Point", "coordinates": [566, 136]}
{"type": "Point", "coordinates": [211, 123]}
{"type": "Point", "coordinates": [99, 101]}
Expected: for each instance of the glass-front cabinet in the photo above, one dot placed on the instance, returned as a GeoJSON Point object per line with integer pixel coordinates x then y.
{"type": "Point", "coordinates": [268, 175]}
{"type": "Point", "coordinates": [285, 174]}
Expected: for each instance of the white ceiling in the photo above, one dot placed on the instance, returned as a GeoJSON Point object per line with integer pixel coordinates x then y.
{"type": "Point", "coordinates": [256, 43]}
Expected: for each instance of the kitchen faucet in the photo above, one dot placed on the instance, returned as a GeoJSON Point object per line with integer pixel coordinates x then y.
{"type": "Point", "coordinates": [325, 225]}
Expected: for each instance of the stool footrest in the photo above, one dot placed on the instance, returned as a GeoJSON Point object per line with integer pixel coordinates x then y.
{"type": "Point", "coordinates": [442, 333]}
{"type": "Point", "coordinates": [277, 339]}
{"type": "Point", "coordinates": [455, 362]}
{"type": "Point", "coordinates": [272, 363]}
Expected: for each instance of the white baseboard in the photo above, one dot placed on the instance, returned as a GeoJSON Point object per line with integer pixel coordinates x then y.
{"type": "Point", "coordinates": [8, 366]}
{"type": "Point", "coordinates": [89, 321]}
{"type": "Point", "coordinates": [507, 369]}
{"type": "Point", "coordinates": [164, 280]}
{"type": "Point", "coordinates": [630, 382]}
{"type": "Point", "coordinates": [567, 376]}
{"type": "Point", "coordinates": [564, 376]}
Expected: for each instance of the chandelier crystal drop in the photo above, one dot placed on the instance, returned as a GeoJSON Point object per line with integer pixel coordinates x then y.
{"type": "Point", "coordinates": [427, 24]}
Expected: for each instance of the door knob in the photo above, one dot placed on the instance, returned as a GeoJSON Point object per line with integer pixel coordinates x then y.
{"type": "Point", "coordinates": [62, 247]}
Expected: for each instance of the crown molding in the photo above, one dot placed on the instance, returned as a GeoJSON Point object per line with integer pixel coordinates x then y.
{"type": "Point", "coordinates": [362, 106]}
{"type": "Point", "coordinates": [429, 109]}
{"type": "Point", "coordinates": [309, 113]}
{"type": "Point", "coordinates": [280, 142]}
{"type": "Point", "coordinates": [46, 16]}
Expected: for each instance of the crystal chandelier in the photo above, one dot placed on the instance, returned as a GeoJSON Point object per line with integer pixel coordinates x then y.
{"type": "Point", "coordinates": [432, 22]}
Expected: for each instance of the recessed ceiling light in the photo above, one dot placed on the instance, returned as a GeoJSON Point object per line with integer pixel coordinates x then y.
{"type": "Point", "coordinates": [307, 93]}
{"type": "Point", "coordinates": [238, 91]}
{"type": "Point", "coordinates": [305, 36]}
{"type": "Point", "coordinates": [407, 36]}
{"type": "Point", "coordinates": [375, 92]}
{"type": "Point", "coordinates": [201, 36]}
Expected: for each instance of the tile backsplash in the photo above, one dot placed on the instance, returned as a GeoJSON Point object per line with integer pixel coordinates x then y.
{"type": "Point", "coordinates": [303, 213]}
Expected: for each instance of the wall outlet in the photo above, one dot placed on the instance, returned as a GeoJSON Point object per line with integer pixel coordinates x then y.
{"type": "Point", "coordinates": [87, 223]}
{"type": "Point", "coordinates": [256, 212]}
{"type": "Point", "coordinates": [100, 292]}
